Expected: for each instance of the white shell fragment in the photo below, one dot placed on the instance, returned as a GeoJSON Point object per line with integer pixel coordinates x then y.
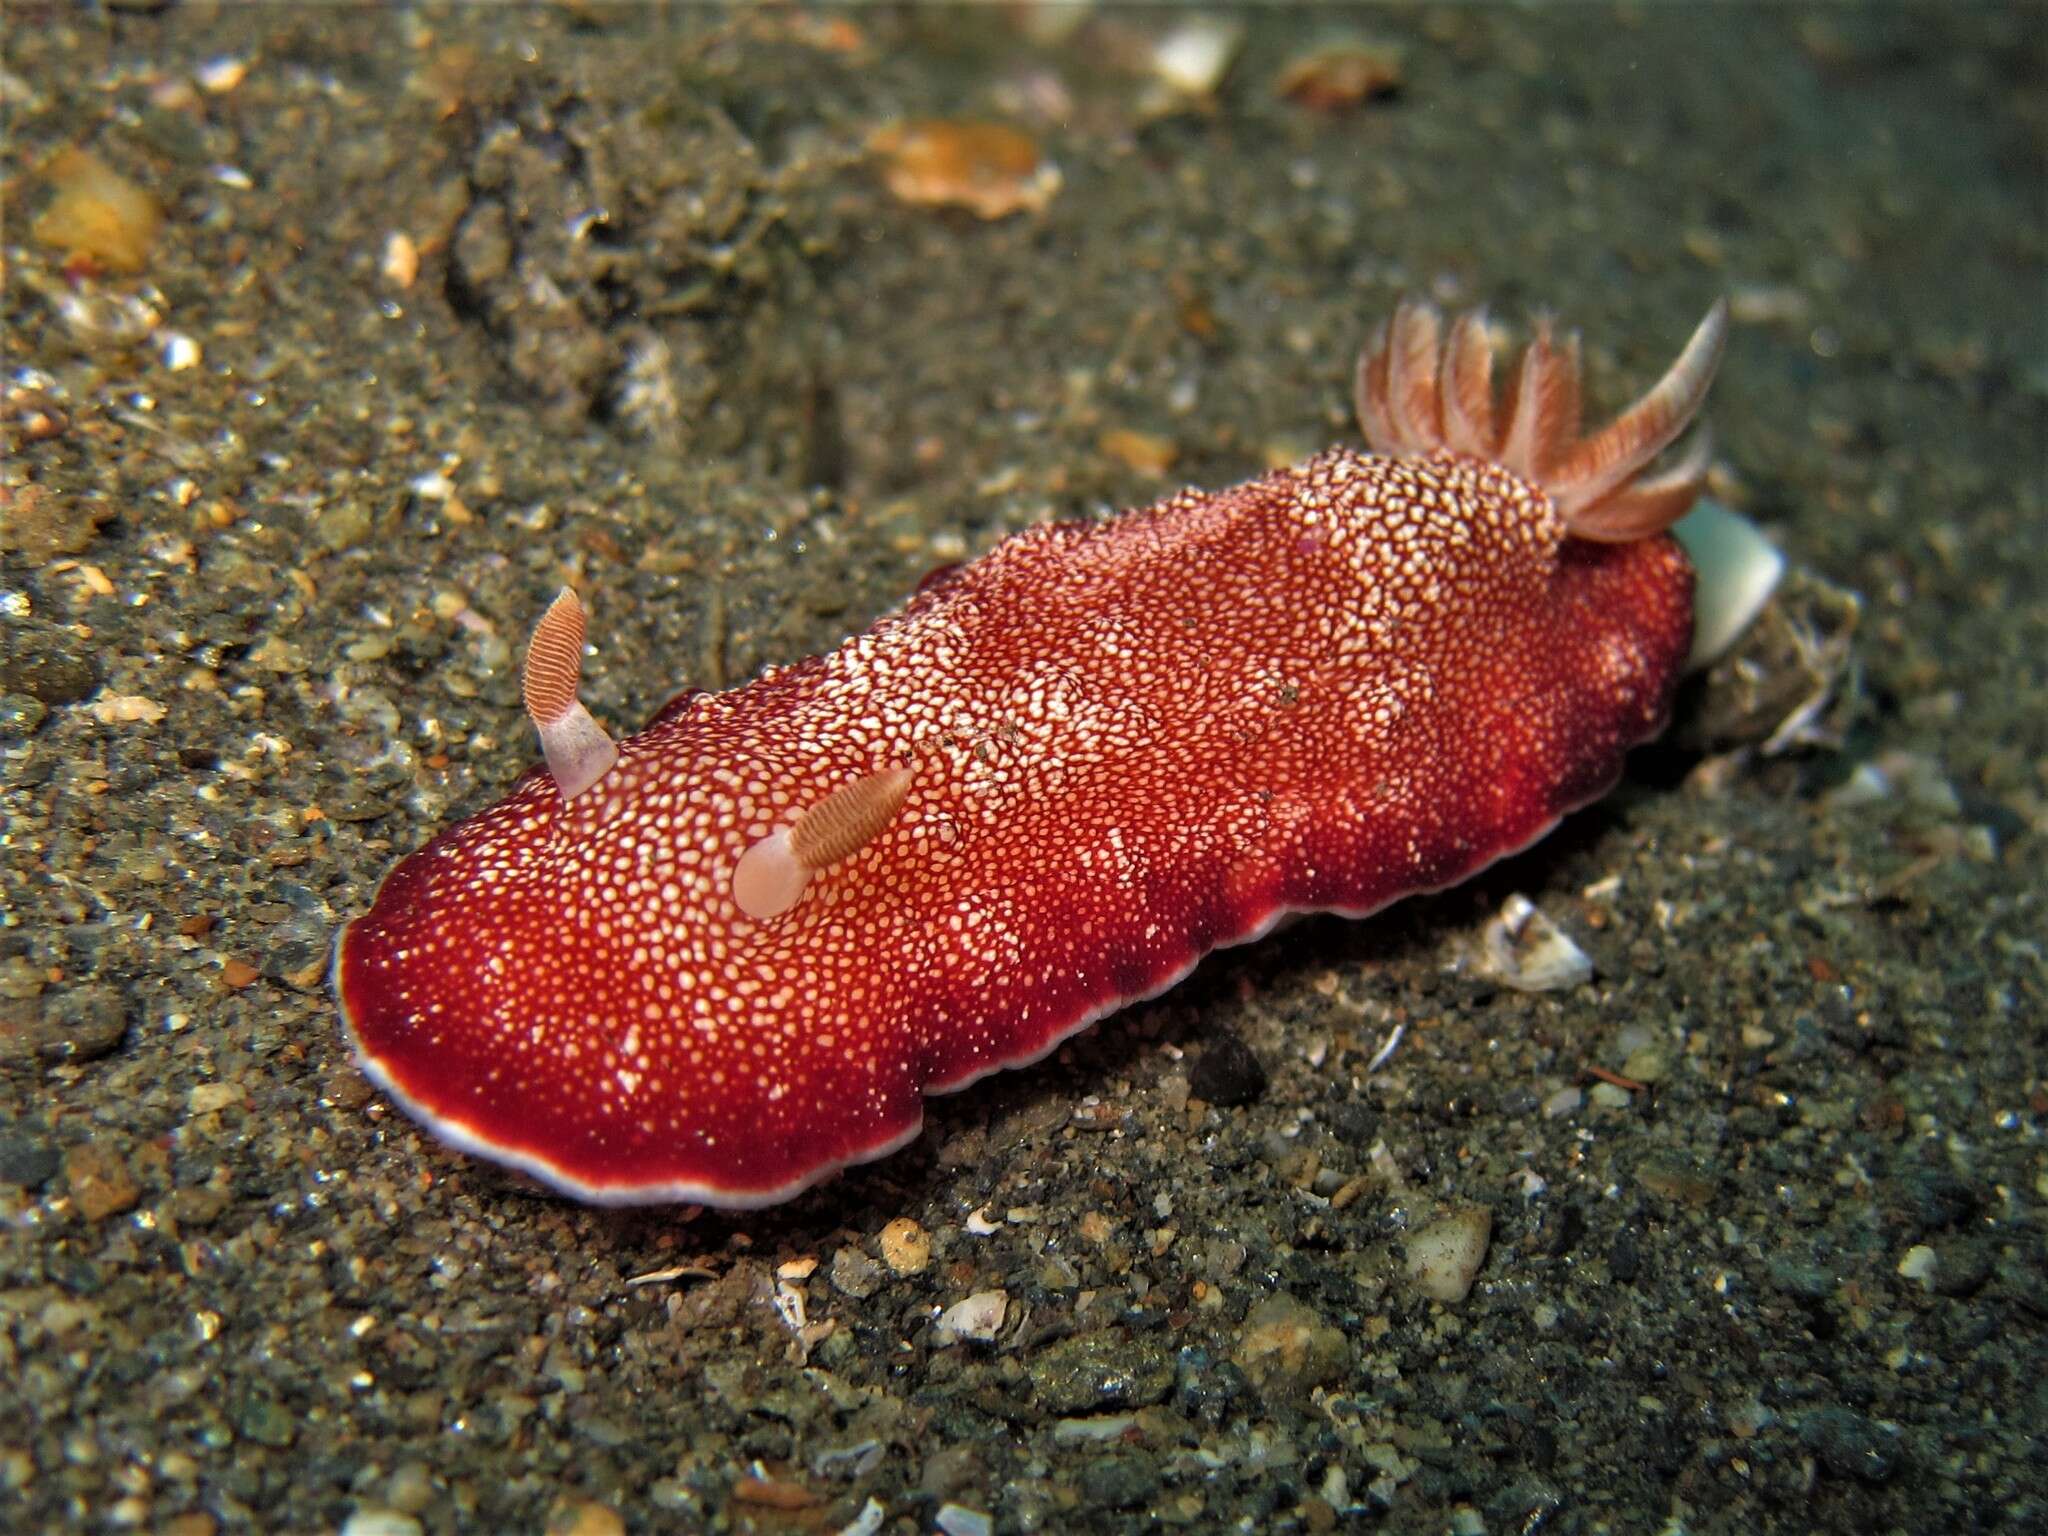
{"type": "Point", "coordinates": [1523, 949]}
{"type": "Point", "coordinates": [1444, 1257]}
{"type": "Point", "coordinates": [976, 1320]}
{"type": "Point", "coordinates": [1735, 571]}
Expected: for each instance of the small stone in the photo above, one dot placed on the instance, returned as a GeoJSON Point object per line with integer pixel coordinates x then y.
{"type": "Point", "coordinates": [585, 1517]}
{"type": "Point", "coordinates": [1118, 1482]}
{"type": "Point", "coordinates": [1100, 1372]}
{"type": "Point", "coordinates": [410, 1487]}
{"type": "Point", "coordinates": [1671, 1181]}
{"type": "Point", "coordinates": [48, 662]}
{"type": "Point", "coordinates": [261, 1418]}
{"type": "Point", "coordinates": [43, 525]}
{"type": "Point", "coordinates": [21, 716]}
{"type": "Point", "coordinates": [1608, 1096]}
{"type": "Point", "coordinates": [951, 1470]}
{"type": "Point", "coordinates": [371, 1520]}
{"type": "Point", "coordinates": [1961, 1268]}
{"type": "Point", "coordinates": [80, 1023]}
{"type": "Point", "coordinates": [101, 1185]}
{"type": "Point", "coordinates": [978, 1319]}
{"type": "Point", "coordinates": [342, 527]}
{"type": "Point", "coordinates": [1287, 1350]}
{"type": "Point", "coordinates": [26, 1161]}
{"type": "Point", "coordinates": [1651, 1064]}
{"type": "Point", "coordinates": [1444, 1257]}
{"type": "Point", "coordinates": [1227, 1073]}
{"type": "Point", "coordinates": [1918, 1265]}
{"type": "Point", "coordinates": [1143, 452]}
{"type": "Point", "coordinates": [1849, 1445]}
{"type": "Point", "coordinates": [906, 1247]}
{"type": "Point", "coordinates": [855, 1274]}
{"type": "Point", "coordinates": [207, 1098]}
{"type": "Point", "coordinates": [97, 215]}
{"type": "Point", "coordinates": [197, 1205]}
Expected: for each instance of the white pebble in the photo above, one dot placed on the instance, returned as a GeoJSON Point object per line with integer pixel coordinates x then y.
{"type": "Point", "coordinates": [1918, 1265]}
{"type": "Point", "coordinates": [380, 1522]}
{"type": "Point", "coordinates": [1444, 1257]}
{"type": "Point", "coordinates": [979, 1318]}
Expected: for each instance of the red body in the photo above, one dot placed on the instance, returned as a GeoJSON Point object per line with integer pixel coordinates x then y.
{"type": "Point", "coordinates": [1134, 741]}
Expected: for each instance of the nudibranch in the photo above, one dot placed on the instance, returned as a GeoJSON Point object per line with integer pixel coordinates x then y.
{"type": "Point", "coordinates": [724, 958]}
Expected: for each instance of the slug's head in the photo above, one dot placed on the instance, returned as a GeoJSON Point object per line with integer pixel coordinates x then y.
{"type": "Point", "coordinates": [489, 988]}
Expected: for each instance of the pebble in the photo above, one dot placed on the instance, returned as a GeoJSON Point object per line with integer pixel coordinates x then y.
{"type": "Point", "coordinates": [1670, 1181]}
{"type": "Point", "coordinates": [855, 1274]}
{"type": "Point", "coordinates": [261, 1418]}
{"type": "Point", "coordinates": [1850, 1445]}
{"type": "Point", "coordinates": [44, 525]}
{"type": "Point", "coordinates": [76, 1024]}
{"type": "Point", "coordinates": [373, 1521]}
{"type": "Point", "coordinates": [1287, 1349]}
{"type": "Point", "coordinates": [1444, 1257]}
{"type": "Point", "coordinates": [410, 1487]}
{"type": "Point", "coordinates": [47, 662]}
{"type": "Point", "coordinates": [1651, 1064]}
{"type": "Point", "coordinates": [1918, 1265]}
{"type": "Point", "coordinates": [98, 214]}
{"type": "Point", "coordinates": [1608, 1096]}
{"type": "Point", "coordinates": [26, 1160]}
{"type": "Point", "coordinates": [1227, 1074]}
{"type": "Point", "coordinates": [906, 1247]}
{"type": "Point", "coordinates": [20, 716]}
{"type": "Point", "coordinates": [1100, 1372]}
{"type": "Point", "coordinates": [978, 1319]}
{"type": "Point", "coordinates": [951, 1470]}
{"type": "Point", "coordinates": [101, 1185]}
{"type": "Point", "coordinates": [586, 1517]}
{"type": "Point", "coordinates": [1118, 1482]}
{"type": "Point", "coordinates": [1566, 1101]}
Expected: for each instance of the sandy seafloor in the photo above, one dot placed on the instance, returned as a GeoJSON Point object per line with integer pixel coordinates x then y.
{"type": "Point", "coordinates": [277, 523]}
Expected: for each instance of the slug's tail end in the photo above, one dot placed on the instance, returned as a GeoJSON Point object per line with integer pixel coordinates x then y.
{"type": "Point", "coordinates": [1422, 390]}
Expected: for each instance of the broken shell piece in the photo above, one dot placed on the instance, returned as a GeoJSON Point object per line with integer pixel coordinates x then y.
{"type": "Point", "coordinates": [98, 215]}
{"type": "Point", "coordinates": [1444, 1257]}
{"type": "Point", "coordinates": [1735, 571]}
{"type": "Point", "coordinates": [986, 168]}
{"type": "Point", "coordinates": [1340, 75]}
{"type": "Point", "coordinates": [978, 1319]}
{"type": "Point", "coordinates": [1523, 949]}
{"type": "Point", "coordinates": [1192, 59]}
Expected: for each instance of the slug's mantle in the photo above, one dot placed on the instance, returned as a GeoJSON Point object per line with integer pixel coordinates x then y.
{"type": "Point", "coordinates": [724, 958]}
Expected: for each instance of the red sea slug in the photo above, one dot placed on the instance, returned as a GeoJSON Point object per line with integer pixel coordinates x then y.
{"type": "Point", "coordinates": [722, 959]}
